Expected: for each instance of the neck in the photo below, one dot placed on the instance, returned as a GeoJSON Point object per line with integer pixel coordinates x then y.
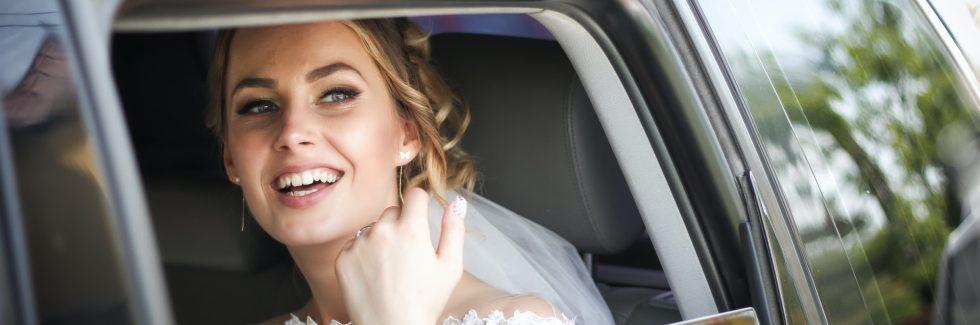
{"type": "Point", "coordinates": [316, 262]}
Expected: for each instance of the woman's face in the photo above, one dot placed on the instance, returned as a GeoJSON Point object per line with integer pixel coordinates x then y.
{"type": "Point", "coordinates": [313, 132]}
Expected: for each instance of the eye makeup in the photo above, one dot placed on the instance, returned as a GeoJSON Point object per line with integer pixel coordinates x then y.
{"type": "Point", "coordinates": [257, 106]}
{"type": "Point", "coordinates": [338, 95]}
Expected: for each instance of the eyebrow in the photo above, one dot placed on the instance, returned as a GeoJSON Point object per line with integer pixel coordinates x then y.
{"type": "Point", "coordinates": [327, 70]}
{"type": "Point", "coordinates": [312, 76]}
{"type": "Point", "coordinates": [254, 83]}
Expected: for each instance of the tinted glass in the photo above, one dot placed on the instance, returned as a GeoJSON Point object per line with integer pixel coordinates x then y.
{"type": "Point", "coordinates": [73, 254]}
{"type": "Point", "coordinates": [853, 102]}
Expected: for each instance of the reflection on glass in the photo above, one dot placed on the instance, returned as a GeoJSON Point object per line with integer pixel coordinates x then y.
{"type": "Point", "coordinates": [851, 99]}
{"type": "Point", "coordinates": [74, 264]}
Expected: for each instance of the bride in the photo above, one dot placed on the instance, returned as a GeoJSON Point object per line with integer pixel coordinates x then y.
{"type": "Point", "coordinates": [345, 142]}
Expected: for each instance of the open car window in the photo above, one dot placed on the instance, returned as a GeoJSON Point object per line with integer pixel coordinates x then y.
{"type": "Point", "coordinates": [195, 210]}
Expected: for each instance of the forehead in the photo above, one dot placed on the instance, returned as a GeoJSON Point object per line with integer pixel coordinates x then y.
{"type": "Point", "coordinates": [289, 49]}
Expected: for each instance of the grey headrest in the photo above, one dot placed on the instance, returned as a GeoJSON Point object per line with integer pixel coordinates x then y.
{"type": "Point", "coordinates": [198, 224]}
{"type": "Point", "coordinates": [538, 141]}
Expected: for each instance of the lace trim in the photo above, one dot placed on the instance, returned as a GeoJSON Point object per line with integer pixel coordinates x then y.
{"type": "Point", "coordinates": [495, 317]}
{"type": "Point", "coordinates": [293, 320]}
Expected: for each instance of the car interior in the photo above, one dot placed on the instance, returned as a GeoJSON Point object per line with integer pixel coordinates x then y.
{"type": "Point", "coordinates": [541, 151]}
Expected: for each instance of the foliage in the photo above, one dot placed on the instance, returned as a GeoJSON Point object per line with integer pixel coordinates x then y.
{"type": "Point", "coordinates": [905, 96]}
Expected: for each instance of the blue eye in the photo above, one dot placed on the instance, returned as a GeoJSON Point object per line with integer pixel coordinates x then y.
{"type": "Point", "coordinates": [338, 95]}
{"type": "Point", "coordinates": [257, 107]}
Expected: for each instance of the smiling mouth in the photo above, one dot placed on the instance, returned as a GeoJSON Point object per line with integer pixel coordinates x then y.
{"type": "Point", "coordinates": [306, 182]}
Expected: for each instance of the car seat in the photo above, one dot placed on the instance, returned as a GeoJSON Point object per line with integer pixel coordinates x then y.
{"type": "Point", "coordinates": [544, 155]}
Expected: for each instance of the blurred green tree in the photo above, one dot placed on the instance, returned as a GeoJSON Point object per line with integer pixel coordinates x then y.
{"type": "Point", "coordinates": [901, 84]}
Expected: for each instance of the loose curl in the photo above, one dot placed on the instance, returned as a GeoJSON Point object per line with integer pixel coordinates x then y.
{"type": "Point", "coordinates": [400, 49]}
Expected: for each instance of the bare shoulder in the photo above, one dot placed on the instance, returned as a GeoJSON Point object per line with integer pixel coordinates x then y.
{"type": "Point", "coordinates": [473, 294]}
{"type": "Point", "coordinates": [530, 302]}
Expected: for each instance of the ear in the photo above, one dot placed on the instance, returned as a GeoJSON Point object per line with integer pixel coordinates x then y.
{"type": "Point", "coordinates": [410, 143]}
{"type": "Point", "coordinates": [229, 164]}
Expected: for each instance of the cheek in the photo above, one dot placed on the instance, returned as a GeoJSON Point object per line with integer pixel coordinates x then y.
{"type": "Point", "coordinates": [246, 153]}
{"type": "Point", "coordinates": [367, 138]}
{"type": "Point", "coordinates": [245, 148]}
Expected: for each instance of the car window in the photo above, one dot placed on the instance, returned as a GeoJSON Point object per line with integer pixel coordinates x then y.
{"type": "Point", "coordinates": [852, 102]}
{"type": "Point", "coordinates": [74, 265]}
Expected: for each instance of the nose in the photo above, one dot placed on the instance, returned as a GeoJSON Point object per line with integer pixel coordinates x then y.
{"type": "Point", "coordinates": [297, 129]}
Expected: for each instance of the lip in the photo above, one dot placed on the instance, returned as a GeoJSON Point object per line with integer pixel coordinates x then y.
{"type": "Point", "coordinates": [300, 202]}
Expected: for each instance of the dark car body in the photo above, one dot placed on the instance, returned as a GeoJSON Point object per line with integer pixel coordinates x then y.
{"type": "Point", "coordinates": [782, 156]}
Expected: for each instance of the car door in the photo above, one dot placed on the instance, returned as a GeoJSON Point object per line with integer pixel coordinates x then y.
{"type": "Point", "coordinates": [77, 248]}
{"type": "Point", "coordinates": [852, 112]}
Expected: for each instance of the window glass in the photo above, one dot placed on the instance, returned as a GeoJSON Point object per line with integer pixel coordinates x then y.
{"type": "Point", "coordinates": [973, 9]}
{"type": "Point", "coordinates": [962, 19]}
{"type": "Point", "coordinates": [853, 101]}
{"type": "Point", "coordinates": [73, 257]}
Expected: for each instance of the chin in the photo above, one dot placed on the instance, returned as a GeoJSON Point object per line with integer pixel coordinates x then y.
{"type": "Point", "coordinates": [309, 227]}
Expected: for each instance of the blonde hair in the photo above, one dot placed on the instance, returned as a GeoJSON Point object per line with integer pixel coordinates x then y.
{"type": "Point", "coordinates": [400, 49]}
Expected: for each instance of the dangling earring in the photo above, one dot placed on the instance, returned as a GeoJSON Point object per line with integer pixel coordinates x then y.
{"type": "Point", "coordinates": [243, 212]}
{"type": "Point", "coordinates": [400, 199]}
{"type": "Point", "coordinates": [237, 180]}
{"type": "Point", "coordinates": [403, 155]}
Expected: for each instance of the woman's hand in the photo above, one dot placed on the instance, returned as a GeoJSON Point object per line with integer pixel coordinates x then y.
{"type": "Point", "coordinates": [391, 274]}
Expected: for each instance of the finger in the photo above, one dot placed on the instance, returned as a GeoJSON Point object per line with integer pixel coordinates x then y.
{"type": "Point", "coordinates": [415, 208]}
{"type": "Point", "coordinates": [386, 221]}
{"type": "Point", "coordinates": [389, 215]}
{"type": "Point", "coordinates": [453, 230]}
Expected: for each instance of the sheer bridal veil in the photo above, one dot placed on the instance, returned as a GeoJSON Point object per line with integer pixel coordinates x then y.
{"type": "Point", "coordinates": [516, 255]}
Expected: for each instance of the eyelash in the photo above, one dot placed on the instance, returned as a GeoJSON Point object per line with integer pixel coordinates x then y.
{"type": "Point", "coordinates": [249, 107]}
{"type": "Point", "coordinates": [348, 93]}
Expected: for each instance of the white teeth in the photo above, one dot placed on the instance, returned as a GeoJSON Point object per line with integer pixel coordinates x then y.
{"type": "Point", "coordinates": [302, 193]}
{"type": "Point", "coordinates": [306, 177]}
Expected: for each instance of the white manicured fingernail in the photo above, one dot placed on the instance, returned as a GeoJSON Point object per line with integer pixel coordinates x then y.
{"type": "Point", "coordinates": [459, 207]}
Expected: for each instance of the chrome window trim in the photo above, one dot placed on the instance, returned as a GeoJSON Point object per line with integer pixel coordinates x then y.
{"type": "Point", "coordinates": [964, 30]}
{"type": "Point", "coordinates": [965, 73]}
{"type": "Point", "coordinates": [782, 225]}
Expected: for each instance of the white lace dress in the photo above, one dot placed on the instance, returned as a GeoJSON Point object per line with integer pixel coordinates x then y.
{"type": "Point", "coordinates": [495, 317]}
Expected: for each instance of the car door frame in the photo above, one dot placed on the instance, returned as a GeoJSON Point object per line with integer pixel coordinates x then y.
{"type": "Point", "coordinates": [16, 293]}
{"type": "Point", "coordinates": [87, 30]}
